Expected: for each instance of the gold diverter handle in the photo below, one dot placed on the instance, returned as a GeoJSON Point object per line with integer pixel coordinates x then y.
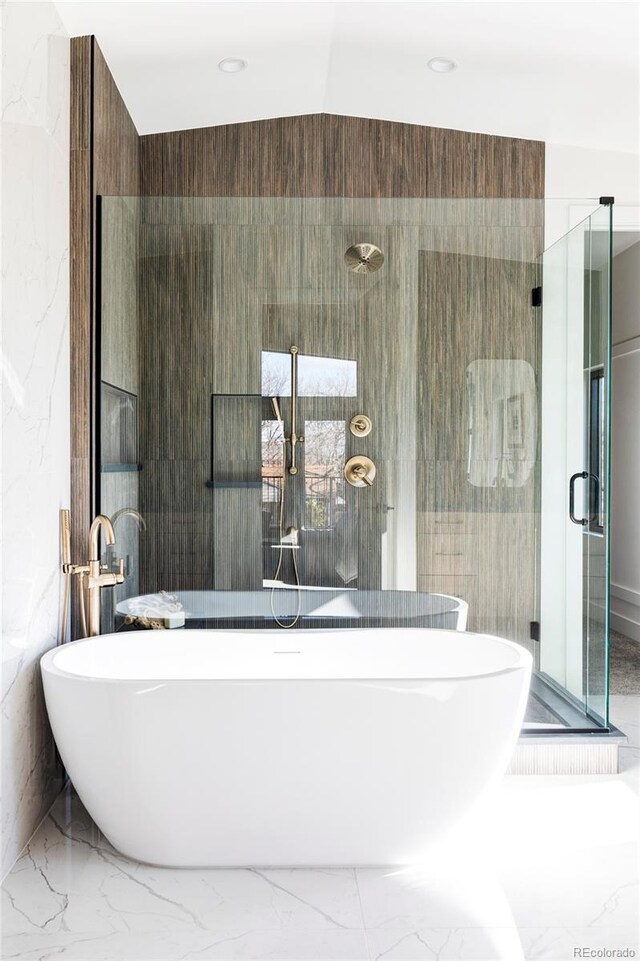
{"type": "Point", "coordinates": [360, 471]}
{"type": "Point", "coordinates": [360, 425]}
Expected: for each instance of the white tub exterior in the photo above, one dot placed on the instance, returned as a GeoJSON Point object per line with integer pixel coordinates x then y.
{"type": "Point", "coordinates": [217, 748]}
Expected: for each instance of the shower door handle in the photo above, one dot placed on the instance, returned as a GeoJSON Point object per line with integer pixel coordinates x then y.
{"type": "Point", "coordinates": [580, 521]}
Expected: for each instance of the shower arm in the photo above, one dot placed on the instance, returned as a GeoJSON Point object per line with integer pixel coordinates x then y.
{"type": "Point", "coordinates": [294, 439]}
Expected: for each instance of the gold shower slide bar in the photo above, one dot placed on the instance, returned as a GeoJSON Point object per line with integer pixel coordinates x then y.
{"type": "Point", "coordinates": [294, 439]}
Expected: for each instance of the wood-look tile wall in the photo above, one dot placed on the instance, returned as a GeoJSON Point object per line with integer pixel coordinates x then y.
{"type": "Point", "coordinates": [323, 155]}
{"type": "Point", "coordinates": [104, 160]}
{"type": "Point", "coordinates": [81, 300]}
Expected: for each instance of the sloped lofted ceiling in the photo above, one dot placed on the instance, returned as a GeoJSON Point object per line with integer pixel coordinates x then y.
{"type": "Point", "coordinates": [562, 72]}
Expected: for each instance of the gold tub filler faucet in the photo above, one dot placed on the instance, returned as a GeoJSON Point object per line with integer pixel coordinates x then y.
{"type": "Point", "coordinates": [93, 575]}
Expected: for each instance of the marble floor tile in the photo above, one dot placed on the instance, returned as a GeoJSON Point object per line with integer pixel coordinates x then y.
{"type": "Point", "coordinates": [443, 944]}
{"type": "Point", "coordinates": [624, 712]}
{"type": "Point", "coordinates": [255, 945]}
{"type": "Point", "coordinates": [449, 893]}
{"type": "Point", "coordinates": [71, 879]}
{"type": "Point", "coordinates": [560, 943]}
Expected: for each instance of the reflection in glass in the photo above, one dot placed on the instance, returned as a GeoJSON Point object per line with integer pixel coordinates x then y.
{"type": "Point", "coordinates": [502, 422]}
{"type": "Point", "coordinates": [597, 450]}
{"type": "Point", "coordinates": [118, 428]}
{"type": "Point", "coordinates": [272, 485]}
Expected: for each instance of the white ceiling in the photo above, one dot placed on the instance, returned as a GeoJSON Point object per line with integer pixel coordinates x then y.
{"type": "Point", "coordinates": [561, 72]}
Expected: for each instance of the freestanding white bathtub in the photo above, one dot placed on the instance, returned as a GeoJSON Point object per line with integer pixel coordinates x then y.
{"type": "Point", "coordinates": [220, 748]}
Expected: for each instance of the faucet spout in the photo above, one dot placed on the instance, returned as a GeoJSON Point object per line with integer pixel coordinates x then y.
{"type": "Point", "coordinates": [129, 512]}
{"type": "Point", "coordinates": [98, 577]}
{"type": "Point", "coordinates": [94, 536]}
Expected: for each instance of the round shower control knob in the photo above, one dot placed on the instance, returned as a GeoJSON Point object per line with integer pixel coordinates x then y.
{"type": "Point", "coordinates": [360, 471]}
{"type": "Point", "coordinates": [360, 425]}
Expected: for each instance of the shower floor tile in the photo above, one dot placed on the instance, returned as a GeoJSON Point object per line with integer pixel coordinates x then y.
{"type": "Point", "coordinates": [549, 864]}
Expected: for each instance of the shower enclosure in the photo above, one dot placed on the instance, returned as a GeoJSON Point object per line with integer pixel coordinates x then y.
{"type": "Point", "coordinates": [349, 412]}
{"type": "Point", "coordinates": [575, 277]}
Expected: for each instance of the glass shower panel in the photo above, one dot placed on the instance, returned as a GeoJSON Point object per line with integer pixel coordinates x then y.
{"type": "Point", "coordinates": [426, 371]}
{"type": "Point", "coordinates": [117, 394]}
{"type": "Point", "coordinates": [576, 307]}
{"type": "Point", "coordinates": [434, 349]}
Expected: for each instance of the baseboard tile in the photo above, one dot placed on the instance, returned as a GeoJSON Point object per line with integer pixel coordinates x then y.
{"type": "Point", "coordinates": [626, 594]}
{"type": "Point", "coordinates": [624, 625]}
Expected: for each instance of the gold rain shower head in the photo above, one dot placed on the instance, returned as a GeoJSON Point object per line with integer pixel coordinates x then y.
{"type": "Point", "coordinates": [364, 258]}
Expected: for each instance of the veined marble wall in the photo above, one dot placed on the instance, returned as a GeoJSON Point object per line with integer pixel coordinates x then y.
{"type": "Point", "coordinates": [35, 397]}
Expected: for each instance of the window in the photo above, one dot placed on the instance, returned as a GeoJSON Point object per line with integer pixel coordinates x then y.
{"type": "Point", "coordinates": [324, 455]}
{"type": "Point", "coordinates": [317, 376]}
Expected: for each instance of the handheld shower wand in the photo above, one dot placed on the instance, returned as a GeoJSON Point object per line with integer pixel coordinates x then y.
{"type": "Point", "coordinates": [276, 410]}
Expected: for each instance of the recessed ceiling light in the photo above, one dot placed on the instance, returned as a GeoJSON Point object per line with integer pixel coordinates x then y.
{"type": "Point", "coordinates": [442, 65]}
{"type": "Point", "coordinates": [232, 65]}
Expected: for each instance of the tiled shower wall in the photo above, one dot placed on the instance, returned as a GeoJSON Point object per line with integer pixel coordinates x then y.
{"type": "Point", "coordinates": [119, 369]}
{"type": "Point", "coordinates": [222, 279]}
{"type": "Point", "coordinates": [35, 414]}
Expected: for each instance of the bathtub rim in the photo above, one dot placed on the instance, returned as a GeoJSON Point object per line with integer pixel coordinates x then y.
{"type": "Point", "coordinates": [524, 661]}
{"type": "Point", "coordinates": [460, 606]}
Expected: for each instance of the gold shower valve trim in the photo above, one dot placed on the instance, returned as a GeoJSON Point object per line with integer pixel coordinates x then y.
{"type": "Point", "coordinates": [360, 471]}
{"type": "Point", "coordinates": [360, 425]}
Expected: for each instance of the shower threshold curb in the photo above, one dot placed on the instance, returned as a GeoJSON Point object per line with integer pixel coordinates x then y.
{"type": "Point", "coordinates": [582, 752]}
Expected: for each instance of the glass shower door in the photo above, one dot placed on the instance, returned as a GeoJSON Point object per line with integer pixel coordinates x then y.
{"type": "Point", "coordinates": [574, 622]}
